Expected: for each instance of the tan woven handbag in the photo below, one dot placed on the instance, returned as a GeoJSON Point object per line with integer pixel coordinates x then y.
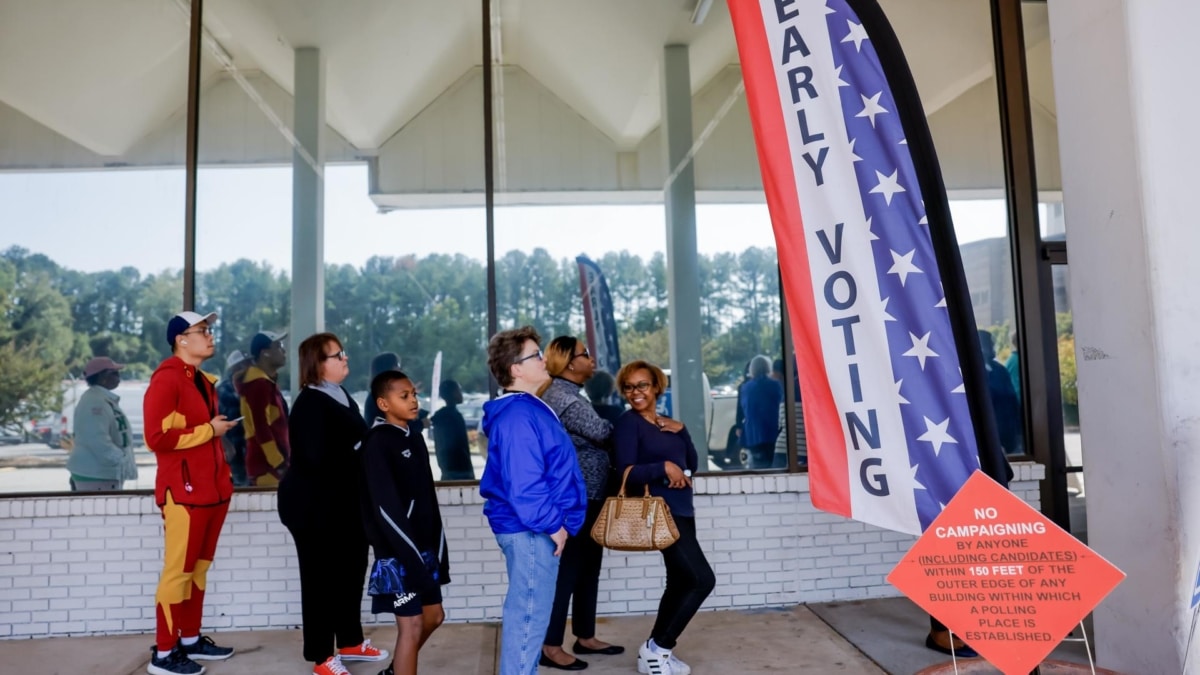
{"type": "Point", "coordinates": [635, 523]}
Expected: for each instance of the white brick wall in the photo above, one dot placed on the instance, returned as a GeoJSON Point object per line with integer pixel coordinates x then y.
{"type": "Point", "coordinates": [89, 565]}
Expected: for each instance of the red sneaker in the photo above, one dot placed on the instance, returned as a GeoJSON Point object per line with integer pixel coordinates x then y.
{"type": "Point", "coordinates": [364, 652]}
{"type": "Point", "coordinates": [332, 666]}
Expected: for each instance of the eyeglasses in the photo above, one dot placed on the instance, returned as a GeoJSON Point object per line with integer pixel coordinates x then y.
{"type": "Point", "coordinates": [585, 354]}
{"type": "Point", "coordinates": [336, 355]}
{"type": "Point", "coordinates": [536, 355]}
{"type": "Point", "coordinates": [630, 386]}
{"type": "Point", "coordinates": [207, 330]}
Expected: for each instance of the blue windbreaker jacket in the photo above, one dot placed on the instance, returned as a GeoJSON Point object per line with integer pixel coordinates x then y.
{"type": "Point", "coordinates": [532, 481]}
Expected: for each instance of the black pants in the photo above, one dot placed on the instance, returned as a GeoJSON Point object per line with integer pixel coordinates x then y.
{"type": "Point", "coordinates": [578, 578]}
{"type": "Point", "coordinates": [689, 581]}
{"type": "Point", "coordinates": [332, 571]}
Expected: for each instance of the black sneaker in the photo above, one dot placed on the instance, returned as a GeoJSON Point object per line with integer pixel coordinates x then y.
{"type": "Point", "coordinates": [205, 649]}
{"type": "Point", "coordinates": [390, 670]}
{"type": "Point", "coordinates": [174, 663]}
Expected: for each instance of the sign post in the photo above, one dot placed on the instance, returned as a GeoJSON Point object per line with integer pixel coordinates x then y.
{"type": "Point", "coordinates": [1002, 576]}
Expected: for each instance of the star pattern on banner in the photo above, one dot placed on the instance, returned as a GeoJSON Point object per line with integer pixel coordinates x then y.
{"type": "Point", "coordinates": [871, 108]}
{"type": "Point", "coordinates": [857, 35]}
{"type": "Point", "coordinates": [887, 317]}
{"type": "Point", "coordinates": [902, 266]}
{"type": "Point", "coordinates": [920, 348]}
{"type": "Point", "coordinates": [935, 434]}
{"type": "Point", "coordinates": [939, 444]}
{"type": "Point", "coordinates": [888, 186]}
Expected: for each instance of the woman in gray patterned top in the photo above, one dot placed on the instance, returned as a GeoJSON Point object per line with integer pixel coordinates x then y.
{"type": "Point", "coordinates": [570, 364]}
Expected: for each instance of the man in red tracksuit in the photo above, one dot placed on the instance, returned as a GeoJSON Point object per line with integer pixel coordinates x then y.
{"type": "Point", "coordinates": [193, 489]}
{"type": "Point", "coordinates": [264, 411]}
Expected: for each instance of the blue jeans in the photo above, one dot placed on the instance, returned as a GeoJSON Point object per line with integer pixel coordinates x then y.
{"type": "Point", "coordinates": [532, 568]}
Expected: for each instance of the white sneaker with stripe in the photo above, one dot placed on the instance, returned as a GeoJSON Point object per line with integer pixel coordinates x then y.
{"type": "Point", "coordinates": [654, 660]}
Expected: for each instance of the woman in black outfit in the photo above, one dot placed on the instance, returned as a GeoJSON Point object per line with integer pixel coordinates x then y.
{"type": "Point", "coordinates": [319, 504]}
{"type": "Point", "coordinates": [661, 454]}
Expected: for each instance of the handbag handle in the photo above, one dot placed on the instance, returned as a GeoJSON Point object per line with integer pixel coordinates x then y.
{"type": "Point", "coordinates": [624, 478]}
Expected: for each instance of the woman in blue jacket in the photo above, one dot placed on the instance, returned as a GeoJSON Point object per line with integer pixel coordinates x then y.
{"type": "Point", "coordinates": [534, 490]}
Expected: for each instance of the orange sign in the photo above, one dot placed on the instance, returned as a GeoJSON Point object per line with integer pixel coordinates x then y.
{"type": "Point", "coordinates": [1002, 576]}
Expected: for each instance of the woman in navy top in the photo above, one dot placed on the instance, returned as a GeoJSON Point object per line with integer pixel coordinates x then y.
{"type": "Point", "coordinates": [662, 456]}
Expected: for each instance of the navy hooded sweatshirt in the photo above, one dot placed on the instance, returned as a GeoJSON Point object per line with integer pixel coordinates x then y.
{"type": "Point", "coordinates": [532, 481]}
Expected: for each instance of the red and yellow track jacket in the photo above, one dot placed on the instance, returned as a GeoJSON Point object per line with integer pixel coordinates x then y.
{"type": "Point", "coordinates": [265, 420]}
{"type": "Point", "coordinates": [191, 462]}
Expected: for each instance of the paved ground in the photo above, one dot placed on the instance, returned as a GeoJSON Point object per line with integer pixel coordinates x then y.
{"type": "Point", "coordinates": [859, 638]}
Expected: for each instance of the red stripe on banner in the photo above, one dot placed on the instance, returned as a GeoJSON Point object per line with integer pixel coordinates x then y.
{"type": "Point", "coordinates": [828, 464]}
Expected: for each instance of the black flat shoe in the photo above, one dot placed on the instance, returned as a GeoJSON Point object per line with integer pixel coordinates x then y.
{"type": "Point", "coordinates": [577, 664]}
{"type": "Point", "coordinates": [963, 652]}
{"type": "Point", "coordinates": [611, 650]}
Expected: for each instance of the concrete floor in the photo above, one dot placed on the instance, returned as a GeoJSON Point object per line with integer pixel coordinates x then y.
{"type": "Point", "coordinates": [856, 638]}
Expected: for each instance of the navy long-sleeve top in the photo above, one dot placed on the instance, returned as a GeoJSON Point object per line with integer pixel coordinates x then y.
{"type": "Point", "coordinates": [646, 448]}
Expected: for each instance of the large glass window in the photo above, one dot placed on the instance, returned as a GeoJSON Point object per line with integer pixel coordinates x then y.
{"type": "Point", "coordinates": [92, 197]}
{"type": "Point", "coordinates": [405, 245]}
{"type": "Point", "coordinates": [91, 228]}
{"type": "Point", "coordinates": [949, 49]}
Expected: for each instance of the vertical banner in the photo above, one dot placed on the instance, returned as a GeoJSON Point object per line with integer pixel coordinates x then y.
{"type": "Point", "coordinates": [875, 290]}
{"type": "Point", "coordinates": [435, 386]}
{"type": "Point", "coordinates": [598, 312]}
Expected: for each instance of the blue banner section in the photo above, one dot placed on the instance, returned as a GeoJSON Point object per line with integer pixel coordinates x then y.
{"type": "Point", "coordinates": [598, 312]}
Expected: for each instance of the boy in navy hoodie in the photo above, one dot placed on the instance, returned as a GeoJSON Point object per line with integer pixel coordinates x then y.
{"type": "Point", "coordinates": [402, 522]}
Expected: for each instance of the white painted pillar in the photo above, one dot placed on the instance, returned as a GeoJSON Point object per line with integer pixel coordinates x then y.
{"type": "Point", "coordinates": [308, 205]}
{"type": "Point", "coordinates": [1125, 85]}
{"type": "Point", "coordinates": [683, 269]}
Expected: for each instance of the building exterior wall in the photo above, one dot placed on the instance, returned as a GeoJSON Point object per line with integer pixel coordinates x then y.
{"type": "Point", "coordinates": [90, 565]}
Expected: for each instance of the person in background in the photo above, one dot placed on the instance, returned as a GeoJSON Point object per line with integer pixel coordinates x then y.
{"type": "Point", "coordinates": [1013, 365]}
{"type": "Point", "coordinates": [319, 503]}
{"type": "Point", "coordinates": [451, 443]}
{"type": "Point", "coordinates": [403, 521]}
{"type": "Point", "coordinates": [571, 365]}
{"type": "Point", "coordinates": [759, 399]}
{"type": "Point", "coordinates": [230, 405]}
{"type": "Point", "coordinates": [1005, 404]}
{"type": "Point", "coordinates": [265, 413]}
{"type": "Point", "coordinates": [382, 362]}
{"type": "Point", "coordinates": [534, 490]}
{"type": "Point", "coordinates": [192, 487]}
{"type": "Point", "coordinates": [102, 458]}
{"type": "Point", "coordinates": [662, 456]}
{"type": "Point", "coordinates": [600, 390]}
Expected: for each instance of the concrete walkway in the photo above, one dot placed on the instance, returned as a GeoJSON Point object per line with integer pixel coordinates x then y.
{"type": "Point", "coordinates": [769, 641]}
{"type": "Point", "coordinates": [870, 637]}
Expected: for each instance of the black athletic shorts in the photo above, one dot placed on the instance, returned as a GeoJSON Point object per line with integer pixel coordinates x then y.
{"type": "Point", "coordinates": [405, 604]}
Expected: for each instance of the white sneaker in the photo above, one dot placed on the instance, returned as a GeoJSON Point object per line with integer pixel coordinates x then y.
{"type": "Point", "coordinates": [660, 662]}
{"type": "Point", "coordinates": [679, 667]}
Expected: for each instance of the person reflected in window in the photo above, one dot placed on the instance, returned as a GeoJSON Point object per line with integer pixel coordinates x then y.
{"type": "Point", "coordinates": [600, 391]}
{"type": "Point", "coordinates": [1013, 365]}
{"type": "Point", "coordinates": [229, 397]}
{"type": "Point", "coordinates": [570, 366]}
{"type": "Point", "coordinates": [265, 412]}
{"type": "Point", "coordinates": [759, 398]}
{"type": "Point", "coordinates": [534, 490]}
{"type": "Point", "coordinates": [385, 361]}
{"type": "Point", "coordinates": [1005, 404]}
{"type": "Point", "coordinates": [102, 457]}
{"type": "Point", "coordinates": [662, 456]}
{"type": "Point", "coordinates": [319, 503]}
{"type": "Point", "coordinates": [451, 444]}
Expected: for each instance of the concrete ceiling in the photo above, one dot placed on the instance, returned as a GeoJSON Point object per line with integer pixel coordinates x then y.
{"type": "Point", "coordinates": [107, 74]}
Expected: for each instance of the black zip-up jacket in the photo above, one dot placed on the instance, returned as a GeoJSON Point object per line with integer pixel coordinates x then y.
{"type": "Point", "coordinates": [400, 508]}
